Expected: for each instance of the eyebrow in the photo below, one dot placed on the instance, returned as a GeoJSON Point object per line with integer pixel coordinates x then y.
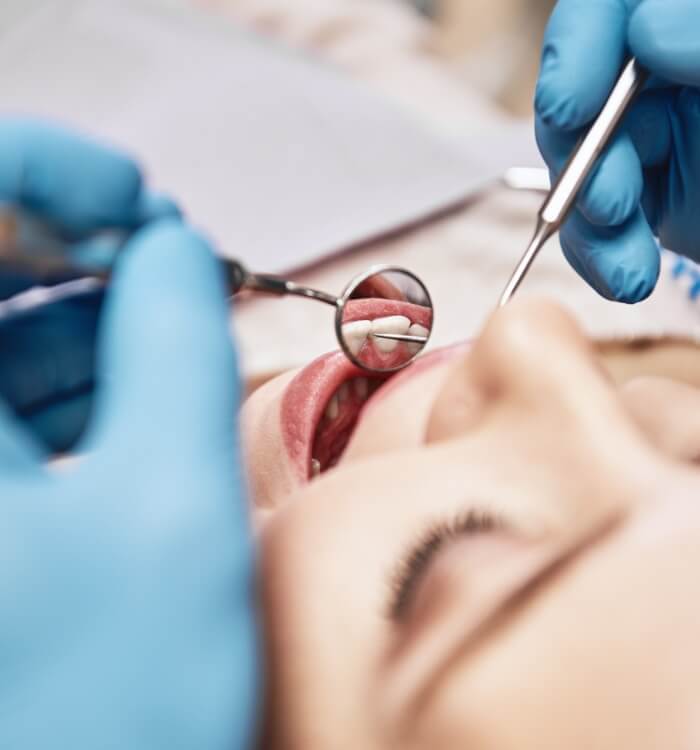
{"type": "Point", "coordinates": [415, 563]}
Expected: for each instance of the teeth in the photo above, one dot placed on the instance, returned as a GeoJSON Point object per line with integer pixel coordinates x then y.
{"type": "Point", "coordinates": [355, 334]}
{"type": "Point", "coordinates": [315, 467]}
{"type": "Point", "coordinates": [343, 392]}
{"type": "Point", "coordinates": [332, 408]}
{"type": "Point", "coordinates": [392, 324]}
{"type": "Point", "coordinates": [416, 330]}
{"type": "Point", "coordinates": [362, 387]}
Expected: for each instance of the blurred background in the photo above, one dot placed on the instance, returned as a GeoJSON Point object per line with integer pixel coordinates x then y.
{"type": "Point", "coordinates": [493, 44]}
{"type": "Point", "coordinates": [368, 129]}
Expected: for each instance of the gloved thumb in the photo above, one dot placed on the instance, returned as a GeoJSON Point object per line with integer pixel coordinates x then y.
{"type": "Point", "coordinates": [166, 371]}
{"type": "Point", "coordinates": [664, 37]}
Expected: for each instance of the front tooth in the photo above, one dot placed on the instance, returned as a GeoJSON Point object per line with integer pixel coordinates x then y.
{"type": "Point", "coordinates": [362, 387]}
{"type": "Point", "coordinates": [355, 334]}
{"type": "Point", "coordinates": [315, 467]}
{"type": "Point", "coordinates": [333, 408]}
{"type": "Point", "coordinates": [391, 324]}
{"type": "Point", "coordinates": [416, 330]}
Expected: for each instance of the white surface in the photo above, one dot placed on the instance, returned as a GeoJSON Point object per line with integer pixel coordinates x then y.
{"type": "Point", "coordinates": [280, 159]}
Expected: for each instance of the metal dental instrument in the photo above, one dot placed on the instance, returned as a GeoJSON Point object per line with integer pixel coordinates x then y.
{"type": "Point", "coordinates": [563, 195]}
{"type": "Point", "coordinates": [380, 291]}
{"type": "Point", "coordinates": [386, 286]}
{"type": "Point", "coordinates": [400, 337]}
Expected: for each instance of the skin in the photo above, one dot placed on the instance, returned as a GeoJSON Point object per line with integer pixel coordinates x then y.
{"type": "Point", "coordinates": [571, 624]}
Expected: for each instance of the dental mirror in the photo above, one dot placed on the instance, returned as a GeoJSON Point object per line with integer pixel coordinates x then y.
{"type": "Point", "coordinates": [384, 319]}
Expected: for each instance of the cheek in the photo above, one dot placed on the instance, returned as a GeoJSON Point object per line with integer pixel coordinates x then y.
{"type": "Point", "coordinates": [668, 412]}
{"type": "Point", "coordinates": [604, 657]}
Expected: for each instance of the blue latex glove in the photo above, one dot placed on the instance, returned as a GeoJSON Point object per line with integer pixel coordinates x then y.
{"type": "Point", "coordinates": [648, 183]}
{"type": "Point", "coordinates": [47, 361]}
{"type": "Point", "coordinates": [78, 187]}
{"type": "Point", "coordinates": [125, 581]}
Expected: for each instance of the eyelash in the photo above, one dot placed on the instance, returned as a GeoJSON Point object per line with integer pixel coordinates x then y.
{"type": "Point", "coordinates": [415, 563]}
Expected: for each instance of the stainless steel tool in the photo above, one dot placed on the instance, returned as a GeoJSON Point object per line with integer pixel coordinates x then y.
{"type": "Point", "coordinates": [563, 195]}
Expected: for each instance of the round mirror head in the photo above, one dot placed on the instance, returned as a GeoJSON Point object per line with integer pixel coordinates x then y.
{"type": "Point", "coordinates": [384, 319]}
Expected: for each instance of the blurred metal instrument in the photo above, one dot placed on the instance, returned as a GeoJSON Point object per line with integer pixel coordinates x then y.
{"type": "Point", "coordinates": [563, 195]}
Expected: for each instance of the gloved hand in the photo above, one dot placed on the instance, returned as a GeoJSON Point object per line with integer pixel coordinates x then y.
{"type": "Point", "coordinates": [649, 181]}
{"type": "Point", "coordinates": [125, 592]}
{"type": "Point", "coordinates": [78, 187]}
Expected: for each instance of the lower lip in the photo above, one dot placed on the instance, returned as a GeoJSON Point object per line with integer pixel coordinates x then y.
{"type": "Point", "coordinates": [306, 396]}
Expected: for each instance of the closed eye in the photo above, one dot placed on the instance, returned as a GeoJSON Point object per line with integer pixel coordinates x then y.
{"type": "Point", "coordinates": [416, 562]}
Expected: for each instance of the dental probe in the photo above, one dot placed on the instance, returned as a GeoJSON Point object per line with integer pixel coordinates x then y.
{"type": "Point", "coordinates": [563, 195]}
{"type": "Point", "coordinates": [401, 337]}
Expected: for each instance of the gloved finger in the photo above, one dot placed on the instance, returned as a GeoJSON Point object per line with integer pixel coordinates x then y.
{"type": "Point", "coordinates": [76, 184]}
{"type": "Point", "coordinates": [620, 263]}
{"type": "Point", "coordinates": [62, 260]}
{"type": "Point", "coordinates": [13, 281]}
{"type": "Point", "coordinates": [664, 37]}
{"type": "Point", "coordinates": [166, 368]}
{"type": "Point", "coordinates": [677, 224]}
{"type": "Point", "coordinates": [649, 126]}
{"type": "Point", "coordinates": [652, 197]}
{"type": "Point", "coordinates": [19, 453]}
{"type": "Point", "coordinates": [153, 206]}
{"type": "Point", "coordinates": [612, 192]}
{"type": "Point", "coordinates": [47, 371]}
{"type": "Point", "coordinates": [99, 251]}
{"type": "Point", "coordinates": [60, 423]}
{"type": "Point", "coordinates": [584, 47]}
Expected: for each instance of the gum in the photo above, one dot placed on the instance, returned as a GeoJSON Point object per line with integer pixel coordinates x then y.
{"type": "Point", "coordinates": [372, 307]}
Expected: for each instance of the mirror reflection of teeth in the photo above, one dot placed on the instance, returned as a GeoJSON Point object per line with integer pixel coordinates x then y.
{"type": "Point", "coordinates": [392, 324]}
{"type": "Point", "coordinates": [355, 334]}
{"type": "Point", "coordinates": [416, 330]}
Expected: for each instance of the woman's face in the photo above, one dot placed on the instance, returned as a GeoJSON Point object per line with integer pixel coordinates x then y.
{"type": "Point", "coordinates": [503, 555]}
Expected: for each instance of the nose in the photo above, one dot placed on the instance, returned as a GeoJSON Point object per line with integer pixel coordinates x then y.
{"type": "Point", "coordinates": [531, 355]}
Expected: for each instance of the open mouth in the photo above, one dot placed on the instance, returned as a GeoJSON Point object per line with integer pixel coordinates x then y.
{"type": "Point", "coordinates": [320, 409]}
{"type": "Point", "coordinates": [337, 423]}
{"type": "Point", "coordinates": [322, 404]}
